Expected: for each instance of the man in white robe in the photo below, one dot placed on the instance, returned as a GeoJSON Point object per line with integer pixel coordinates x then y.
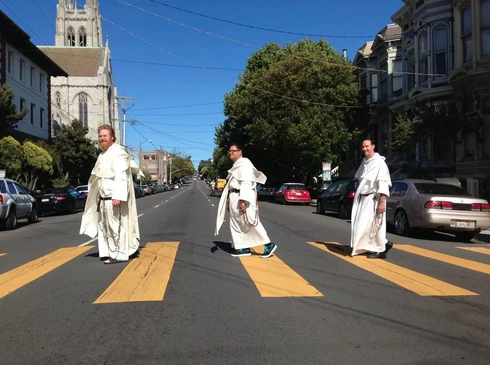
{"type": "Point", "coordinates": [239, 197]}
{"type": "Point", "coordinates": [110, 210]}
{"type": "Point", "coordinates": [368, 222]}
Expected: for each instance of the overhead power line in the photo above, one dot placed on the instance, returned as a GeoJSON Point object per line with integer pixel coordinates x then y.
{"type": "Point", "coordinates": [255, 26]}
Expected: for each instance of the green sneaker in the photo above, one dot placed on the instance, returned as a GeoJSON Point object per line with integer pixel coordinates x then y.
{"type": "Point", "coordinates": [242, 252]}
{"type": "Point", "coordinates": [269, 250]}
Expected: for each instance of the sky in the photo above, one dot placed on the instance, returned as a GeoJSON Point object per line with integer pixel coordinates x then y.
{"type": "Point", "coordinates": [178, 66]}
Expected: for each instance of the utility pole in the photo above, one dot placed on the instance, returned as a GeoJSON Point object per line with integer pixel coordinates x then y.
{"type": "Point", "coordinates": [123, 108]}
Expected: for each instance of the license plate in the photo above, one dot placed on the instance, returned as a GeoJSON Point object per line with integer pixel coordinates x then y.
{"type": "Point", "coordinates": [45, 200]}
{"type": "Point", "coordinates": [298, 194]}
{"type": "Point", "coordinates": [461, 224]}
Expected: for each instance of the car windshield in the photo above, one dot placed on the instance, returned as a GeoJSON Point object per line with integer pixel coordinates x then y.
{"type": "Point", "coordinates": [440, 189]}
{"type": "Point", "coordinates": [296, 187]}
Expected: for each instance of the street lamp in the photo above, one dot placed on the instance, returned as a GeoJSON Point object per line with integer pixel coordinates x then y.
{"type": "Point", "coordinates": [141, 152]}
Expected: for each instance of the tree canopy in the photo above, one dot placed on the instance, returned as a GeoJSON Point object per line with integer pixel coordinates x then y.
{"type": "Point", "coordinates": [268, 114]}
{"type": "Point", "coordinates": [9, 116]}
{"type": "Point", "coordinates": [37, 161]}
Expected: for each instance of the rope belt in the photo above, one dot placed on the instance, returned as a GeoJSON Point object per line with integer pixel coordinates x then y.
{"type": "Point", "coordinates": [233, 191]}
{"type": "Point", "coordinates": [100, 200]}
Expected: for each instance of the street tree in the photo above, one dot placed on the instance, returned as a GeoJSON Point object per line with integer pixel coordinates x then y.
{"type": "Point", "coordinates": [37, 161]}
{"type": "Point", "coordinates": [9, 116]}
{"type": "Point", "coordinates": [76, 154]}
{"type": "Point", "coordinates": [181, 165]}
{"type": "Point", "coordinates": [428, 124]}
{"type": "Point", "coordinates": [11, 157]}
{"type": "Point", "coordinates": [145, 180]}
{"type": "Point", "coordinates": [288, 110]}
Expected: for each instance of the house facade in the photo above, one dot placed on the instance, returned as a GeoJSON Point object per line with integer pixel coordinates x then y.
{"type": "Point", "coordinates": [27, 72]}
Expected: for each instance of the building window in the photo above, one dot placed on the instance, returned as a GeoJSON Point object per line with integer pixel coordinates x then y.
{"type": "Point", "coordinates": [423, 57]}
{"type": "Point", "coordinates": [32, 76]}
{"type": "Point", "coordinates": [71, 37]}
{"type": "Point", "coordinates": [33, 106]}
{"type": "Point", "coordinates": [22, 104]}
{"type": "Point", "coordinates": [397, 78]}
{"type": "Point", "coordinates": [82, 37]}
{"type": "Point", "coordinates": [485, 27]}
{"type": "Point", "coordinates": [83, 109]}
{"type": "Point", "coordinates": [21, 69]}
{"type": "Point", "coordinates": [41, 114]}
{"type": "Point", "coordinates": [10, 62]}
{"type": "Point", "coordinates": [146, 157]}
{"type": "Point", "coordinates": [57, 98]}
{"type": "Point", "coordinates": [466, 34]}
{"type": "Point", "coordinates": [383, 79]}
{"type": "Point", "coordinates": [374, 88]}
{"type": "Point", "coordinates": [363, 88]}
{"type": "Point", "coordinates": [411, 70]}
{"type": "Point", "coordinates": [41, 82]}
{"type": "Point", "coordinates": [440, 51]}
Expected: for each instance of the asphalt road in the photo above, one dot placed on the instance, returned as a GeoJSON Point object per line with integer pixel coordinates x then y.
{"type": "Point", "coordinates": [193, 303]}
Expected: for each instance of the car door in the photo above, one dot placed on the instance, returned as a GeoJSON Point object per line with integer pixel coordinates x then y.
{"type": "Point", "coordinates": [280, 193]}
{"type": "Point", "coordinates": [397, 194]}
{"type": "Point", "coordinates": [20, 202]}
{"type": "Point", "coordinates": [78, 198]}
{"type": "Point", "coordinates": [337, 195]}
{"type": "Point", "coordinates": [26, 200]}
{"type": "Point", "coordinates": [327, 201]}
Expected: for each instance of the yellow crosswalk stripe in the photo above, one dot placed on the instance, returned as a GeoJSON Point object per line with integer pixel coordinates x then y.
{"type": "Point", "coordinates": [273, 278]}
{"type": "Point", "coordinates": [483, 250]}
{"type": "Point", "coordinates": [448, 259]}
{"type": "Point", "coordinates": [411, 280]}
{"type": "Point", "coordinates": [3, 254]}
{"type": "Point", "coordinates": [145, 278]}
{"type": "Point", "coordinates": [25, 274]}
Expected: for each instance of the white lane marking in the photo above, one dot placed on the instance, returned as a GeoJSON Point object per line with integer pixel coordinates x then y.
{"type": "Point", "coordinates": [212, 205]}
{"type": "Point", "coordinates": [166, 201]}
{"type": "Point", "coordinates": [156, 206]}
{"type": "Point", "coordinates": [140, 215]}
{"type": "Point", "coordinates": [86, 243]}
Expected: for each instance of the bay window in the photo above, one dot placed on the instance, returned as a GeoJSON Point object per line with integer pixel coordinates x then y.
{"type": "Point", "coordinates": [485, 27]}
{"type": "Point", "coordinates": [423, 57]}
{"type": "Point", "coordinates": [466, 34]}
{"type": "Point", "coordinates": [440, 51]}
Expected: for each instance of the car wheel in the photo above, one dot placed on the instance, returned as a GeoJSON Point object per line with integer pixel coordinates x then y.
{"type": "Point", "coordinates": [343, 213]}
{"type": "Point", "coordinates": [73, 208]}
{"type": "Point", "coordinates": [33, 217]}
{"type": "Point", "coordinates": [402, 227]}
{"type": "Point", "coordinates": [319, 209]}
{"type": "Point", "coordinates": [283, 201]}
{"type": "Point", "coordinates": [11, 221]}
{"type": "Point", "coordinates": [464, 236]}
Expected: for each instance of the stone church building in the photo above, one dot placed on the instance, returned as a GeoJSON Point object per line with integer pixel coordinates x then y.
{"type": "Point", "coordinates": [88, 93]}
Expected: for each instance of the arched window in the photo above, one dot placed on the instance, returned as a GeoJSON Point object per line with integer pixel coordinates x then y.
{"type": "Point", "coordinates": [82, 37]}
{"type": "Point", "coordinates": [83, 109]}
{"type": "Point", "coordinates": [57, 97]}
{"type": "Point", "coordinates": [71, 37]}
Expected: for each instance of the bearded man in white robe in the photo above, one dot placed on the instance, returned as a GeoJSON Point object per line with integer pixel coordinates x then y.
{"type": "Point", "coordinates": [239, 197]}
{"type": "Point", "coordinates": [110, 210]}
{"type": "Point", "coordinates": [368, 221]}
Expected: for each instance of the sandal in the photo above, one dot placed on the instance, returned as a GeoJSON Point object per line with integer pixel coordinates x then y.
{"type": "Point", "coordinates": [112, 261]}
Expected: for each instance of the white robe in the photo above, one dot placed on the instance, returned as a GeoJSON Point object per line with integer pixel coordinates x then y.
{"type": "Point", "coordinates": [246, 229]}
{"type": "Point", "coordinates": [368, 229]}
{"type": "Point", "coordinates": [116, 227]}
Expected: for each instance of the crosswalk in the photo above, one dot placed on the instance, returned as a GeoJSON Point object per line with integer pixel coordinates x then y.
{"type": "Point", "coordinates": [145, 278]}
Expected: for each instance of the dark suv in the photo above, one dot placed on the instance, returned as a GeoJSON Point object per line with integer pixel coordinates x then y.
{"type": "Point", "coordinates": [338, 198]}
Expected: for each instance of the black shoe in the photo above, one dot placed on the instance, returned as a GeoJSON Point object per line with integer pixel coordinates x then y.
{"type": "Point", "coordinates": [377, 255]}
{"type": "Point", "coordinates": [389, 246]}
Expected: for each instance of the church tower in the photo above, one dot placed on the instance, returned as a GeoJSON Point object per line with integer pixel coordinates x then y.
{"type": "Point", "coordinates": [78, 27]}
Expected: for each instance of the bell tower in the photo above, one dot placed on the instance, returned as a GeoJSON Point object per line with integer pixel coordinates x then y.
{"type": "Point", "coordinates": [78, 27]}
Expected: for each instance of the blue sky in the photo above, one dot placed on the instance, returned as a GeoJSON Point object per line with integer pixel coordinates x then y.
{"type": "Point", "coordinates": [162, 92]}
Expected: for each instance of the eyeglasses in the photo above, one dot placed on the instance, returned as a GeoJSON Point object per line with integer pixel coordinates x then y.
{"type": "Point", "coordinates": [233, 151]}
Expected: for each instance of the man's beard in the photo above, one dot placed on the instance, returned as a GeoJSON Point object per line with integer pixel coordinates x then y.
{"type": "Point", "coordinates": [103, 146]}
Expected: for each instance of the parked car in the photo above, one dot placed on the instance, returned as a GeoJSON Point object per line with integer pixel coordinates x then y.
{"type": "Point", "coordinates": [82, 189]}
{"type": "Point", "coordinates": [15, 204]}
{"type": "Point", "coordinates": [436, 206]}
{"type": "Point", "coordinates": [266, 192]}
{"type": "Point", "coordinates": [138, 192]}
{"type": "Point", "coordinates": [292, 193]}
{"type": "Point", "coordinates": [338, 198]}
{"type": "Point", "coordinates": [59, 200]}
{"type": "Point", "coordinates": [146, 189]}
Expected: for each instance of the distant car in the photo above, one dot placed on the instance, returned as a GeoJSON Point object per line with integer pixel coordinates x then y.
{"type": "Point", "coordinates": [60, 200]}
{"type": "Point", "coordinates": [82, 189]}
{"type": "Point", "coordinates": [15, 204]}
{"type": "Point", "coordinates": [292, 193]}
{"type": "Point", "coordinates": [338, 198]}
{"type": "Point", "coordinates": [265, 192]}
{"type": "Point", "coordinates": [436, 206]}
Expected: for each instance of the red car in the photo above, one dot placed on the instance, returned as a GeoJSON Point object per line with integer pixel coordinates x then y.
{"type": "Point", "coordinates": [292, 193]}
